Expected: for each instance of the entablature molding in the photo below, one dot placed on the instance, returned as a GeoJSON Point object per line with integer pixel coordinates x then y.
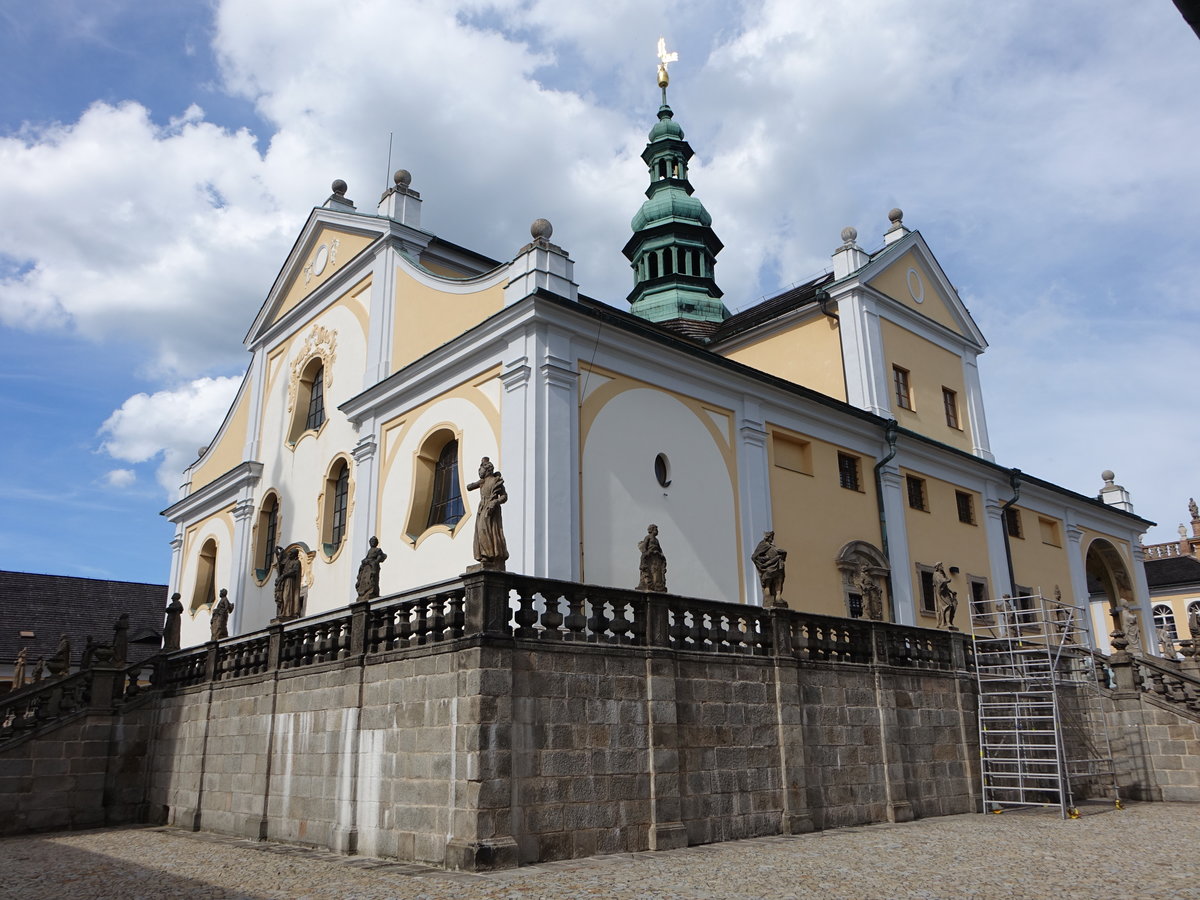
{"type": "Point", "coordinates": [217, 494]}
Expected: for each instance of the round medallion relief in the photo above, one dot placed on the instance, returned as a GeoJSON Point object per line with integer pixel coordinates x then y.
{"type": "Point", "coordinates": [916, 286]}
{"type": "Point", "coordinates": [321, 259]}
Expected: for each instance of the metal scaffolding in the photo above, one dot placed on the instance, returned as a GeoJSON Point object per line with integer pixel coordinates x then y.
{"type": "Point", "coordinates": [1043, 736]}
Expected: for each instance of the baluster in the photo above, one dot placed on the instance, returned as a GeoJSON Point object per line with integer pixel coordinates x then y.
{"type": "Point", "coordinates": [402, 623]}
{"type": "Point", "coordinates": [619, 629]}
{"type": "Point", "coordinates": [598, 623]}
{"type": "Point", "coordinates": [526, 615]}
{"type": "Point", "coordinates": [552, 619]}
{"type": "Point", "coordinates": [696, 630]}
{"type": "Point", "coordinates": [639, 611]}
{"type": "Point", "coordinates": [457, 619]}
{"type": "Point", "coordinates": [437, 619]}
{"type": "Point", "coordinates": [677, 626]}
{"type": "Point", "coordinates": [576, 621]}
{"type": "Point", "coordinates": [421, 625]}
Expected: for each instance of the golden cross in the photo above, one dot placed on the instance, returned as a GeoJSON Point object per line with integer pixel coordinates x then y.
{"type": "Point", "coordinates": [663, 58]}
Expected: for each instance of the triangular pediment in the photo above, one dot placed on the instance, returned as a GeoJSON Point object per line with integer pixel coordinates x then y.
{"type": "Point", "coordinates": [908, 274]}
{"type": "Point", "coordinates": [328, 242]}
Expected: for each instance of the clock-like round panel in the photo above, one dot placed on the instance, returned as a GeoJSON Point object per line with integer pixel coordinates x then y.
{"type": "Point", "coordinates": [321, 259]}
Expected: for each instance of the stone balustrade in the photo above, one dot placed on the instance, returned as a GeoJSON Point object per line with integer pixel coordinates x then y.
{"type": "Point", "coordinates": [510, 606]}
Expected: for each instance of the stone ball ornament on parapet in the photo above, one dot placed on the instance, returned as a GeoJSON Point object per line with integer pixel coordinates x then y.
{"type": "Point", "coordinates": [541, 230]}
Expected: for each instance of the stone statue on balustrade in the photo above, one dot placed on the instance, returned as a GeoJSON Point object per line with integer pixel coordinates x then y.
{"type": "Point", "coordinates": [39, 670]}
{"type": "Point", "coordinates": [1132, 627]}
{"type": "Point", "coordinates": [219, 621]}
{"type": "Point", "coordinates": [94, 653]}
{"type": "Point", "coordinates": [652, 567]}
{"type": "Point", "coordinates": [1194, 623]}
{"type": "Point", "coordinates": [1061, 614]}
{"type": "Point", "coordinates": [491, 550]}
{"type": "Point", "coordinates": [1193, 509]}
{"type": "Point", "coordinates": [60, 662]}
{"type": "Point", "coordinates": [287, 583]}
{"type": "Point", "coordinates": [769, 560]}
{"type": "Point", "coordinates": [367, 584]}
{"type": "Point", "coordinates": [120, 644]}
{"type": "Point", "coordinates": [171, 627]}
{"type": "Point", "coordinates": [871, 592]}
{"type": "Point", "coordinates": [947, 599]}
{"type": "Point", "coordinates": [18, 677]}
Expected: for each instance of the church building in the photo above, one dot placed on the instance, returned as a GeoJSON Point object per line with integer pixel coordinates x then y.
{"type": "Point", "coordinates": [846, 415]}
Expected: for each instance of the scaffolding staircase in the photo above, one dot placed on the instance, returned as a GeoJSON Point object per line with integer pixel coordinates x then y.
{"type": "Point", "coordinates": [1043, 737]}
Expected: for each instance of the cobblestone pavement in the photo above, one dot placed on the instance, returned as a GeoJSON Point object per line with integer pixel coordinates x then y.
{"type": "Point", "coordinates": [1145, 851]}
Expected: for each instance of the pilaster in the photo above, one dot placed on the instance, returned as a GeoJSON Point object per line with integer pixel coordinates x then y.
{"type": "Point", "coordinates": [240, 571]}
{"type": "Point", "coordinates": [981, 444]}
{"type": "Point", "coordinates": [755, 490]}
{"type": "Point", "coordinates": [517, 440]}
{"type": "Point", "coordinates": [1079, 588]}
{"type": "Point", "coordinates": [904, 607]}
{"type": "Point", "coordinates": [366, 493]}
{"type": "Point", "coordinates": [380, 319]}
{"type": "Point", "coordinates": [867, 384]}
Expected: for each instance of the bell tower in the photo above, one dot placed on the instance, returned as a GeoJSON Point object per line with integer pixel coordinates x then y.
{"type": "Point", "coordinates": [673, 249]}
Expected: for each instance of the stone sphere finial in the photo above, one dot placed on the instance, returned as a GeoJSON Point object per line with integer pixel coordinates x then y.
{"type": "Point", "coordinates": [402, 177]}
{"type": "Point", "coordinates": [339, 187]}
{"type": "Point", "coordinates": [541, 229]}
{"type": "Point", "coordinates": [896, 216]}
{"type": "Point", "coordinates": [1108, 475]}
{"type": "Point", "coordinates": [849, 234]}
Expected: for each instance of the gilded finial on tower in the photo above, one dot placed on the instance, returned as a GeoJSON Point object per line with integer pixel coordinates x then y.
{"type": "Point", "coordinates": [663, 58]}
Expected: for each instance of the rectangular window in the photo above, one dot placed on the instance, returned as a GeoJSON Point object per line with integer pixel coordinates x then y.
{"type": "Point", "coordinates": [1012, 521]}
{"type": "Point", "coordinates": [966, 507]}
{"type": "Point", "coordinates": [928, 598]}
{"type": "Point", "coordinates": [981, 609]}
{"type": "Point", "coordinates": [916, 493]}
{"type": "Point", "coordinates": [903, 392]}
{"type": "Point", "coordinates": [792, 454]}
{"type": "Point", "coordinates": [848, 471]}
{"type": "Point", "coordinates": [950, 401]}
{"type": "Point", "coordinates": [1049, 531]}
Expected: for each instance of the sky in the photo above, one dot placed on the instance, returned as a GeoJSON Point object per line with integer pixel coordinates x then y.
{"type": "Point", "coordinates": [158, 160]}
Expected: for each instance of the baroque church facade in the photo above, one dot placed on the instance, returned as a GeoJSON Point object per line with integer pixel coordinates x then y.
{"type": "Point", "coordinates": [845, 415]}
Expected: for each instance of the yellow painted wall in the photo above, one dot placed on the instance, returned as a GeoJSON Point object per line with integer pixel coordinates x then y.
{"type": "Point", "coordinates": [1037, 564]}
{"type": "Point", "coordinates": [930, 369]}
{"type": "Point", "coordinates": [227, 450]}
{"type": "Point", "coordinates": [809, 354]}
{"type": "Point", "coordinates": [304, 282]}
{"type": "Point", "coordinates": [894, 281]}
{"type": "Point", "coordinates": [426, 318]}
{"type": "Point", "coordinates": [938, 536]}
{"type": "Point", "coordinates": [814, 517]}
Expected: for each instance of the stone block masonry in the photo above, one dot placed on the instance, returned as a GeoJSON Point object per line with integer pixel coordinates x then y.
{"type": "Point", "coordinates": [498, 720]}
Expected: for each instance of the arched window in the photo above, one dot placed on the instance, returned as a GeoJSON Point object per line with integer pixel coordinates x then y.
{"type": "Point", "coordinates": [436, 503]}
{"type": "Point", "coordinates": [316, 401]}
{"type": "Point", "coordinates": [446, 505]}
{"type": "Point", "coordinates": [1193, 611]}
{"type": "Point", "coordinates": [336, 505]}
{"type": "Point", "coordinates": [266, 536]}
{"type": "Point", "coordinates": [1164, 623]}
{"type": "Point", "coordinates": [204, 592]}
{"type": "Point", "coordinates": [309, 412]}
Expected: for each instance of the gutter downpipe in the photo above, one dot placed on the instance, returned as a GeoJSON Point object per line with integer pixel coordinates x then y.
{"type": "Point", "coordinates": [891, 432]}
{"type": "Point", "coordinates": [1014, 481]}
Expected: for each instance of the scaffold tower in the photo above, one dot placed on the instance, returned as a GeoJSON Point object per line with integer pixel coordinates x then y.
{"type": "Point", "coordinates": [1043, 737]}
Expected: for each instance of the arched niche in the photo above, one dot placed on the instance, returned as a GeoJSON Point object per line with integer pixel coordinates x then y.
{"type": "Point", "coordinates": [1109, 580]}
{"type": "Point", "coordinates": [855, 557]}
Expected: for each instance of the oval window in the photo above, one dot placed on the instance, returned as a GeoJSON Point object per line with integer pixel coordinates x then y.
{"type": "Point", "coordinates": [662, 470]}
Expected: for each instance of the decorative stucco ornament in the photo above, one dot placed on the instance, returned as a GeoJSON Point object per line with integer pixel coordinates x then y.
{"type": "Point", "coordinates": [320, 342]}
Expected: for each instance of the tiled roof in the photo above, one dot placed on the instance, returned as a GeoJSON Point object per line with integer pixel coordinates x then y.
{"type": "Point", "coordinates": [772, 308]}
{"type": "Point", "coordinates": [1173, 570]}
{"type": "Point", "coordinates": [51, 605]}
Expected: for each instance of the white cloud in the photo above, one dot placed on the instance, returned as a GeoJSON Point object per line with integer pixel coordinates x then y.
{"type": "Point", "coordinates": [170, 426]}
{"type": "Point", "coordinates": [120, 478]}
{"type": "Point", "coordinates": [1041, 148]}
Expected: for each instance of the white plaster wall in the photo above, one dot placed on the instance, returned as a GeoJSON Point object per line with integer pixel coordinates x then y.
{"type": "Point", "coordinates": [695, 514]}
{"type": "Point", "coordinates": [298, 474]}
{"type": "Point", "coordinates": [194, 629]}
{"type": "Point", "coordinates": [438, 555]}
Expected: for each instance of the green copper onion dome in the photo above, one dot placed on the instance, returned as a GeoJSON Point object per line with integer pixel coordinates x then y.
{"type": "Point", "coordinates": [673, 248]}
